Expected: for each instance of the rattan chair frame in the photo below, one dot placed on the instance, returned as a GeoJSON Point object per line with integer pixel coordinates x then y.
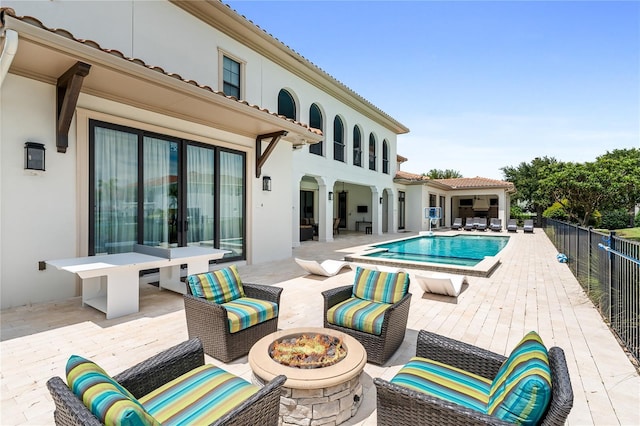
{"type": "Point", "coordinates": [394, 325]}
{"type": "Point", "coordinates": [209, 322]}
{"type": "Point", "coordinates": [261, 408]}
{"type": "Point", "coordinates": [398, 405]}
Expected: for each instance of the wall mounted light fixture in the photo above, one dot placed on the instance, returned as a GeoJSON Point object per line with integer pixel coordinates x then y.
{"type": "Point", "coordinates": [34, 156]}
{"type": "Point", "coordinates": [330, 195]}
{"type": "Point", "coordinates": [381, 198]}
{"type": "Point", "coordinates": [266, 183]}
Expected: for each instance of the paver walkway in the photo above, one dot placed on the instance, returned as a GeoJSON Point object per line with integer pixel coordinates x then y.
{"type": "Point", "coordinates": [529, 291]}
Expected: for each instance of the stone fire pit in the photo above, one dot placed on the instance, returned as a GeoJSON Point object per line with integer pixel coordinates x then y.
{"type": "Point", "coordinates": [320, 395]}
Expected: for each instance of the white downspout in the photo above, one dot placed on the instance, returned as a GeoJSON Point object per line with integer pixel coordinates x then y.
{"type": "Point", "coordinates": [8, 52]}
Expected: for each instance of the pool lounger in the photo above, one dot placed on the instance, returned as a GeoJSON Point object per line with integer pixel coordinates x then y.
{"type": "Point", "coordinates": [327, 268]}
{"type": "Point", "coordinates": [441, 283]}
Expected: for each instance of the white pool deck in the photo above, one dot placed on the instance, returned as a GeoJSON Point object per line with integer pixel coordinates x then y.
{"type": "Point", "coordinates": [530, 290]}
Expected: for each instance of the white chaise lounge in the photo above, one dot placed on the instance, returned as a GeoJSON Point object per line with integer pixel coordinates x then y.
{"type": "Point", "coordinates": [327, 268]}
{"type": "Point", "coordinates": [441, 283]}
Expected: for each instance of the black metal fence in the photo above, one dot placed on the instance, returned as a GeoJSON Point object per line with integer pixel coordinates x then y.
{"type": "Point", "coordinates": [608, 268]}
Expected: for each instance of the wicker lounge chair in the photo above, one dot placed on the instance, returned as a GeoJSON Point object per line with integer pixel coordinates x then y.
{"type": "Point", "coordinates": [399, 405]}
{"type": "Point", "coordinates": [261, 408]}
{"type": "Point", "coordinates": [209, 321]}
{"type": "Point", "coordinates": [512, 225]}
{"type": "Point", "coordinates": [528, 225]}
{"type": "Point", "coordinates": [328, 268]}
{"type": "Point", "coordinates": [379, 347]}
{"type": "Point", "coordinates": [457, 223]}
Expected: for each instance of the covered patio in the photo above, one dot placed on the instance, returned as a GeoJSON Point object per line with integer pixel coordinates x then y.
{"type": "Point", "coordinates": [530, 290]}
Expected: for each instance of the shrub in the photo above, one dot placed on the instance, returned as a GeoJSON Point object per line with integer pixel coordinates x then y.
{"type": "Point", "coordinates": [556, 211]}
{"type": "Point", "coordinates": [637, 221]}
{"type": "Point", "coordinates": [615, 219]}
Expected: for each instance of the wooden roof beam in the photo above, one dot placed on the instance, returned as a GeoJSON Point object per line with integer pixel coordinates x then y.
{"type": "Point", "coordinates": [68, 90]}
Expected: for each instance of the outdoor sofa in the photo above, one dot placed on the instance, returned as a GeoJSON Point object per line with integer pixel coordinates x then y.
{"type": "Point", "coordinates": [229, 316]}
{"type": "Point", "coordinates": [374, 310]}
{"type": "Point", "coordinates": [531, 386]}
{"type": "Point", "coordinates": [116, 400]}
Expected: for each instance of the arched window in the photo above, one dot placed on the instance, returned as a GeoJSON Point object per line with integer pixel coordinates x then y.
{"type": "Point", "coordinates": [372, 152]}
{"type": "Point", "coordinates": [315, 121]}
{"type": "Point", "coordinates": [338, 139]}
{"type": "Point", "coordinates": [286, 104]}
{"type": "Point", "coordinates": [385, 157]}
{"type": "Point", "coordinates": [357, 147]}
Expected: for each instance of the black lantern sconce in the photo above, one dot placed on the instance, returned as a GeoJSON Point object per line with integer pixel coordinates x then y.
{"type": "Point", "coordinates": [34, 156]}
{"type": "Point", "coordinates": [266, 183]}
{"type": "Point", "coordinates": [330, 195]}
{"type": "Point", "coordinates": [381, 199]}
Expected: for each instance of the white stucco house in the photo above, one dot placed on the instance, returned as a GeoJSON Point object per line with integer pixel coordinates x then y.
{"type": "Point", "coordinates": [175, 123]}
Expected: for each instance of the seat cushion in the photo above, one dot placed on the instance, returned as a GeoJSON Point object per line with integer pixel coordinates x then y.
{"type": "Point", "coordinates": [445, 382]}
{"type": "Point", "coordinates": [378, 286]}
{"type": "Point", "coordinates": [244, 312]}
{"type": "Point", "coordinates": [358, 314]}
{"type": "Point", "coordinates": [521, 390]}
{"type": "Point", "coordinates": [111, 403]}
{"type": "Point", "coordinates": [198, 397]}
{"type": "Point", "coordinates": [221, 286]}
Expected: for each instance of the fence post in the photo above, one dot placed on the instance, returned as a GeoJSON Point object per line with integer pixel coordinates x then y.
{"type": "Point", "coordinates": [612, 245]}
{"type": "Point", "coordinates": [589, 260]}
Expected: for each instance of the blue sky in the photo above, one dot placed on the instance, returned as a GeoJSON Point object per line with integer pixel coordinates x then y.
{"type": "Point", "coordinates": [480, 84]}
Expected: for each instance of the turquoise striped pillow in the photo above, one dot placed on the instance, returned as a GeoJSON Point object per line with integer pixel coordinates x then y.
{"type": "Point", "coordinates": [521, 390]}
{"type": "Point", "coordinates": [445, 382]}
{"type": "Point", "coordinates": [245, 312]}
{"type": "Point", "coordinates": [358, 314]}
{"type": "Point", "coordinates": [221, 286]}
{"type": "Point", "coordinates": [198, 397]}
{"type": "Point", "coordinates": [378, 286]}
{"type": "Point", "coordinates": [103, 396]}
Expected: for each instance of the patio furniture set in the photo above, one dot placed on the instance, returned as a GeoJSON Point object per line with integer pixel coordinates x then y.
{"type": "Point", "coordinates": [448, 382]}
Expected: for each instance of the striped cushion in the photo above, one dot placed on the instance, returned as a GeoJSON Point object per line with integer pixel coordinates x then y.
{"type": "Point", "coordinates": [244, 312]}
{"type": "Point", "coordinates": [107, 399]}
{"type": "Point", "coordinates": [445, 382]}
{"type": "Point", "coordinates": [521, 390]}
{"type": "Point", "coordinates": [358, 314]}
{"type": "Point", "coordinates": [198, 397]}
{"type": "Point", "coordinates": [382, 287]}
{"type": "Point", "coordinates": [221, 286]}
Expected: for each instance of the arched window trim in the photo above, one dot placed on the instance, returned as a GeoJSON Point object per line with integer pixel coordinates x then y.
{"type": "Point", "coordinates": [293, 105]}
{"type": "Point", "coordinates": [316, 148]}
{"type": "Point", "coordinates": [385, 157]}
{"type": "Point", "coordinates": [372, 152]}
{"type": "Point", "coordinates": [338, 140]}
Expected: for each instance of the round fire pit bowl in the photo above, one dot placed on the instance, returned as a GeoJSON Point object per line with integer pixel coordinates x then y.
{"type": "Point", "coordinates": [328, 394]}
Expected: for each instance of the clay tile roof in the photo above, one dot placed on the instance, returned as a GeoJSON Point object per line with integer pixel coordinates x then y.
{"type": "Point", "coordinates": [410, 176]}
{"type": "Point", "coordinates": [7, 11]}
{"type": "Point", "coordinates": [476, 182]}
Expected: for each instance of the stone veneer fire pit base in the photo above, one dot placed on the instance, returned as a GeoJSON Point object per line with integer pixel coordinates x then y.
{"type": "Point", "coordinates": [313, 397]}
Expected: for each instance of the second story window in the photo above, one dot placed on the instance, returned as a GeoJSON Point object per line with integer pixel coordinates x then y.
{"type": "Point", "coordinates": [357, 147]}
{"type": "Point", "coordinates": [315, 121]}
{"type": "Point", "coordinates": [286, 104]}
{"type": "Point", "coordinates": [385, 157]}
{"type": "Point", "coordinates": [231, 77]}
{"type": "Point", "coordinates": [372, 152]}
{"type": "Point", "coordinates": [338, 139]}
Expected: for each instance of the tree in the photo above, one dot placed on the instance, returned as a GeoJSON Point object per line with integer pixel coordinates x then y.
{"type": "Point", "coordinates": [443, 174]}
{"type": "Point", "coordinates": [622, 167]}
{"type": "Point", "coordinates": [526, 179]}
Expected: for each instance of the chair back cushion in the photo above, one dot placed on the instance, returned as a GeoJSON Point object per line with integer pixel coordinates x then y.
{"type": "Point", "coordinates": [221, 286]}
{"type": "Point", "coordinates": [445, 382]}
{"type": "Point", "coordinates": [198, 397]}
{"type": "Point", "coordinates": [358, 314]}
{"type": "Point", "coordinates": [111, 403]}
{"type": "Point", "coordinates": [378, 286]}
{"type": "Point", "coordinates": [245, 312]}
{"type": "Point", "coordinates": [521, 391]}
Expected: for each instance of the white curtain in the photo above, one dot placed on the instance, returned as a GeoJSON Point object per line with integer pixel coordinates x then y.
{"type": "Point", "coordinates": [116, 180]}
{"type": "Point", "coordinates": [231, 205]}
{"type": "Point", "coordinates": [200, 196]}
{"type": "Point", "coordinates": [160, 200]}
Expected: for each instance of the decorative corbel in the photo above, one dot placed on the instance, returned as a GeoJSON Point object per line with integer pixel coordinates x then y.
{"type": "Point", "coordinates": [68, 90]}
{"type": "Point", "coordinates": [261, 157]}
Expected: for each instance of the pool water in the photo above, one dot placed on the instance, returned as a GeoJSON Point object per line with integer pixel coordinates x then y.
{"type": "Point", "coordinates": [462, 250]}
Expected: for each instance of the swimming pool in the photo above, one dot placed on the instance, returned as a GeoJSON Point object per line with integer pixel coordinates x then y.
{"type": "Point", "coordinates": [463, 250]}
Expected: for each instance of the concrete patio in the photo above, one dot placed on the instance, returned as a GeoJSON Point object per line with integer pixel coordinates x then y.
{"type": "Point", "coordinates": [530, 290]}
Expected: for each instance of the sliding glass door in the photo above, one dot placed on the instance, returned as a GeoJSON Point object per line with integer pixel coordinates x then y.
{"type": "Point", "coordinates": [163, 192]}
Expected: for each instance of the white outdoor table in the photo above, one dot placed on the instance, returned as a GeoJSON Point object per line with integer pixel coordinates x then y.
{"type": "Point", "coordinates": [110, 282]}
